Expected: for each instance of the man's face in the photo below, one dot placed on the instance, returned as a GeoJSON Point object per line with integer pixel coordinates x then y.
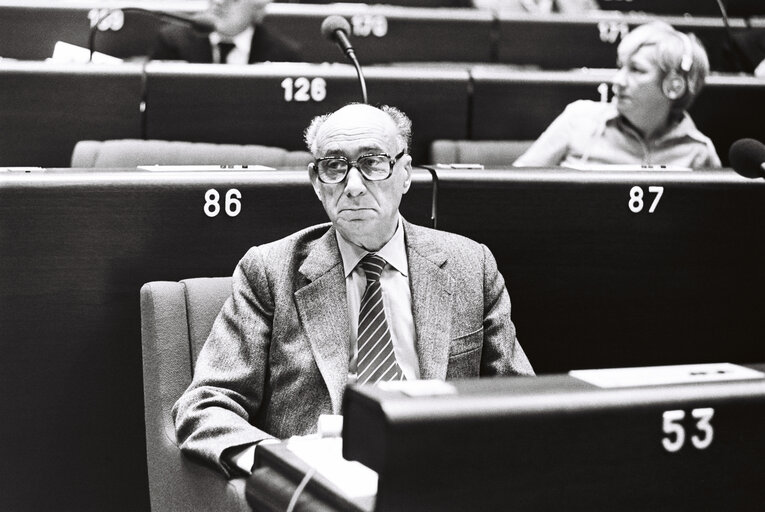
{"type": "Point", "coordinates": [637, 86]}
{"type": "Point", "coordinates": [231, 17]}
{"type": "Point", "coordinates": [364, 212]}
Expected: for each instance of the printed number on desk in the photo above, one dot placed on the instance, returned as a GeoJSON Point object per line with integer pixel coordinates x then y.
{"type": "Point", "coordinates": [232, 204]}
{"type": "Point", "coordinates": [304, 89]}
{"type": "Point", "coordinates": [636, 202]}
{"type": "Point", "coordinates": [604, 90]}
{"type": "Point", "coordinates": [364, 25]}
{"type": "Point", "coordinates": [675, 432]}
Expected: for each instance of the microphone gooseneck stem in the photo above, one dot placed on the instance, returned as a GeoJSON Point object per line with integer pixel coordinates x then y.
{"type": "Point", "coordinates": [351, 55]}
{"type": "Point", "coordinates": [92, 34]}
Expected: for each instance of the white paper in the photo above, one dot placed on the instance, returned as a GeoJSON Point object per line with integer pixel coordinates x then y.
{"type": "Point", "coordinates": [623, 167]}
{"type": "Point", "coordinates": [662, 375]}
{"type": "Point", "coordinates": [192, 168]}
{"type": "Point", "coordinates": [428, 387]}
{"type": "Point", "coordinates": [352, 478]}
{"type": "Point", "coordinates": [67, 52]}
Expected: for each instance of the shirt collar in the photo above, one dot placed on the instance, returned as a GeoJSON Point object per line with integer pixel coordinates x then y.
{"type": "Point", "coordinates": [244, 38]}
{"type": "Point", "coordinates": [394, 252]}
{"type": "Point", "coordinates": [681, 125]}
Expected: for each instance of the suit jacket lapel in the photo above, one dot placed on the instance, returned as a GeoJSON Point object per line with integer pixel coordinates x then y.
{"type": "Point", "coordinates": [431, 301]}
{"type": "Point", "coordinates": [323, 311]}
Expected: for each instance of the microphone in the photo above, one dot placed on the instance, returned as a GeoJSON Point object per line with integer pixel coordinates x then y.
{"type": "Point", "coordinates": [747, 157]}
{"type": "Point", "coordinates": [201, 22]}
{"type": "Point", "coordinates": [336, 28]}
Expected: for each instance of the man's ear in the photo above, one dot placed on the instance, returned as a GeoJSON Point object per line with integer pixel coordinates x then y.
{"type": "Point", "coordinates": [314, 180]}
{"type": "Point", "coordinates": [406, 163]}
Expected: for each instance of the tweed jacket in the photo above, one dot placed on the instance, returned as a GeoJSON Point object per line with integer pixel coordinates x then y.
{"type": "Point", "coordinates": [277, 355]}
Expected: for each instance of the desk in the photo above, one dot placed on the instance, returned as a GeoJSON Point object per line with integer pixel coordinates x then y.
{"type": "Point", "coordinates": [598, 281]}
{"type": "Point", "coordinates": [380, 33]}
{"type": "Point", "coordinates": [46, 108]}
{"type": "Point", "coordinates": [550, 443]}
{"type": "Point", "coordinates": [388, 33]}
{"type": "Point", "coordinates": [566, 41]}
{"type": "Point", "coordinates": [681, 7]}
{"type": "Point", "coordinates": [272, 104]}
{"type": "Point", "coordinates": [76, 248]}
{"type": "Point", "coordinates": [30, 28]}
{"type": "Point", "coordinates": [591, 441]}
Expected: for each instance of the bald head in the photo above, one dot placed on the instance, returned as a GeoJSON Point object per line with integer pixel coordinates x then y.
{"type": "Point", "coordinates": [357, 119]}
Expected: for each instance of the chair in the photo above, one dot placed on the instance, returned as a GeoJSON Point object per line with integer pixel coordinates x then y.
{"type": "Point", "coordinates": [135, 152]}
{"type": "Point", "coordinates": [485, 152]}
{"type": "Point", "coordinates": [176, 318]}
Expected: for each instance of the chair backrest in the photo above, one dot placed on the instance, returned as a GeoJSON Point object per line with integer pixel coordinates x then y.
{"type": "Point", "coordinates": [135, 152]}
{"type": "Point", "coordinates": [176, 318]}
{"type": "Point", "coordinates": [484, 152]}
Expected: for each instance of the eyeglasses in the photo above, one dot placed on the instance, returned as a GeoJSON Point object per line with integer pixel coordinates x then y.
{"type": "Point", "coordinates": [373, 167]}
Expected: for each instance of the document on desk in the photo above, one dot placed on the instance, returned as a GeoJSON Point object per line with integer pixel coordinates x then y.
{"type": "Point", "coordinates": [354, 479]}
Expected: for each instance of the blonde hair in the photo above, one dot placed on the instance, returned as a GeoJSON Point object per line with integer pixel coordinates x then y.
{"type": "Point", "coordinates": [675, 52]}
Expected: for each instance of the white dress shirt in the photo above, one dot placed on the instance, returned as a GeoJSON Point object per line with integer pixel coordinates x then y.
{"type": "Point", "coordinates": [240, 54]}
{"type": "Point", "coordinates": [397, 299]}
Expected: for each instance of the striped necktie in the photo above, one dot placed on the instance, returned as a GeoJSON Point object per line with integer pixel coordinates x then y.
{"type": "Point", "coordinates": [376, 360]}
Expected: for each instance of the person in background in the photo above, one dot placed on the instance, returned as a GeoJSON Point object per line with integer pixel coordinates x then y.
{"type": "Point", "coordinates": [750, 46]}
{"type": "Point", "coordinates": [366, 298]}
{"type": "Point", "coordinates": [240, 37]}
{"type": "Point", "coordinates": [661, 72]}
{"type": "Point", "coordinates": [538, 6]}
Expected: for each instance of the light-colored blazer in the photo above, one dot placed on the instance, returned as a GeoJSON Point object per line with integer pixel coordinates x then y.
{"type": "Point", "coordinates": [277, 356]}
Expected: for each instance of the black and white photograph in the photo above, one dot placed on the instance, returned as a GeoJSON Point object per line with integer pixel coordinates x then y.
{"type": "Point", "coordinates": [416, 255]}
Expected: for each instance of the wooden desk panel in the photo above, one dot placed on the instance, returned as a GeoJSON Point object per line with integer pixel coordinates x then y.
{"type": "Point", "coordinates": [594, 284]}
{"type": "Point", "coordinates": [76, 249]}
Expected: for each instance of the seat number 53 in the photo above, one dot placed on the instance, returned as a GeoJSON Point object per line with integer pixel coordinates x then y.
{"type": "Point", "coordinates": [674, 439]}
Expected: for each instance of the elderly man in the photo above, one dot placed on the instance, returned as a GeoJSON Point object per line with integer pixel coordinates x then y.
{"type": "Point", "coordinates": [368, 297]}
{"type": "Point", "coordinates": [240, 37]}
{"type": "Point", "coordinates": [661, 71]}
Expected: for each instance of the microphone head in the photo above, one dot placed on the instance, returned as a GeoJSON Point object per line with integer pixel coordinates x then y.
{"type": "Point", "coordinates": [333, 23]}
{"type": "Point", "coordinates": [747, 157]}
{"type": "Point", "coordinates": [204, 23]}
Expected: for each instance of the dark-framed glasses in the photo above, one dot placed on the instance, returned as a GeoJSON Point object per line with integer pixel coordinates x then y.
{"type": "Point", "coordinates": [373, 167]}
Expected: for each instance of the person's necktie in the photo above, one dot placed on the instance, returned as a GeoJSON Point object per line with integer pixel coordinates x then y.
{"type": "Point", "coordinates": [224, 48]}
{"type": "Point", "coordinates": [376, 360]}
